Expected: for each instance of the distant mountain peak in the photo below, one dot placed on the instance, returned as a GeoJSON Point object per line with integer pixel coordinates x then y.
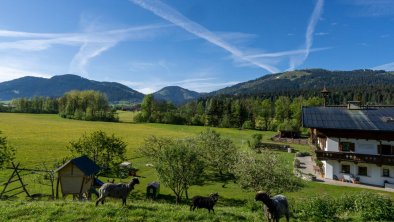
{"type": "Point", "coordinates": [176, 94]}
{"type": "Point", "coordinates": [294, 83]}
{"type": "Point", "coordinates": [57, 85]}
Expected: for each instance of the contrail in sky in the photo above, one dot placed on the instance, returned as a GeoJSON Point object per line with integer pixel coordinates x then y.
{"type": "Point", "coordinates": [296, 61]}
{"type": "Point", "coordinates": [167, 13]}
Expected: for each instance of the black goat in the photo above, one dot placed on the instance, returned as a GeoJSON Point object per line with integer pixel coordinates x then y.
{"type": "Point", "coordinates": [205, 202]}
{"type": "Point", "coordinates": [275, 207]}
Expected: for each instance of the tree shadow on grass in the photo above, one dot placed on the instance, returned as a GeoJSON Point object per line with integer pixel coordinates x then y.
{"type": "Point", "coordinates": [235, 217]}
{"type": "Point", "coordinates": [231, 202]}
{"type": "Point", "coordinates": [134, 207]}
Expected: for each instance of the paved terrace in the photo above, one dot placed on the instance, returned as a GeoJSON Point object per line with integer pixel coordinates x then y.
{"type": "Point", "coordinates": [308, 165]}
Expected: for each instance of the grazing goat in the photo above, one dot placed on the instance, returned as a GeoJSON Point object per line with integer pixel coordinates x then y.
{"type": "Point", "coordinates": [275, 207]}
{"type": "Point", "coordinates": [120, 191]}
{"type": "Point", "coordinates": [204, 202]}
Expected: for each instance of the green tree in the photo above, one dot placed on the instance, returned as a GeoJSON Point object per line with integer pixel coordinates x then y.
{"type": "Point", "coordinates": [267, 113]}
{"type": "Point", "coordinates": [265, 173]}
{"type": "Point", "coordinates": [147, 108]}
{"type": "Point", "coordinates": [282, 108]}
{"type": "Point", "coordinates": [314, 101]}
{"type": "Point", "coordinates": [219, 154]}
{"type": "Point", "coordinates": [296, 112]}
{"type": "Point", "coordinates": [106, 151]}
{"type": "Point", "coordinates": [86, 105]}
{"type": "Point", "coordinates": [255, 142]}
{"type": "Point", "coordinates": [7, 152]}
{"type": "Point", "coordinates": [177, 162]}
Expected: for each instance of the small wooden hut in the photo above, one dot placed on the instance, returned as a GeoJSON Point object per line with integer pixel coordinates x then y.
{"type": "Point", "coordinates": [76, 176]}
{"type": "Point", "coordinates": [153, 190]}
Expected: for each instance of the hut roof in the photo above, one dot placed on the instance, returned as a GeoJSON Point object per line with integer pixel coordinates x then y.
{"type": "Point", "coordinates": [86, 165]}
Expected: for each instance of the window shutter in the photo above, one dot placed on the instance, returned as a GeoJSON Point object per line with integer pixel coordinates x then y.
{"type": "Point", "coordinates": [380, 149]}
{"type": "Point", "coordinates": [340, 146]}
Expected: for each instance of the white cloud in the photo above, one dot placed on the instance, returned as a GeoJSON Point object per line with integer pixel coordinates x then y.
{"type": "Point", "coordinates": [387, 67]}
{"type": "Point", "coordinates": [167, 13]}
{"type": "Point", "coordinates": [92, 44]}
{"type": "Point", "coordinates": [287, 53]}
{"type": "Point", "coordinates": [195, 84]}
{"type": "Point", "coordinates": [10, 73]}
{"type": "Point", "coordinates": [87, 52]}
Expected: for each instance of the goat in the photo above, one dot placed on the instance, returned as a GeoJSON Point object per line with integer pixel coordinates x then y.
{"type": "Point", "coordinates": [275, 207]}
{"type": "Point", "coordinates": [204, 202]}
{"type": "Point", "coordinates": [120, 191]}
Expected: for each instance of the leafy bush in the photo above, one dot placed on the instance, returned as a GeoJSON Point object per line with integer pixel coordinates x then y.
{"type": "Point", "coordinates": [374, 207]}
{"type": "Point", "coordinates": [255, 142]}
{"type": "Point", "coordinates": [7, 152]}
{"type": "Point", "coordinates": [247, 125]}
{"type": "Point", "coordinates": [316, 208]}
{"type": "Point", "coordinates": [264, 172]}
{"type": "Point", "coordinates": [368, 206]}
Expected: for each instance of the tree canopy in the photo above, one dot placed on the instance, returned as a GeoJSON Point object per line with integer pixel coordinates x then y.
{"type": "Point", "coordinates": [7, 152]}
{"type": "Point", "coordinates": [178, 163]}
{"type": "Point", "coordinates": [264, 172]}
{"type": "Point", "coordinates": [106, 151]}
{"type": "Point", "coordinates": [86, 105]}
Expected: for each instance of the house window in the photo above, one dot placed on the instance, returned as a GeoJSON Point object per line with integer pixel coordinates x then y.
{"type": "Point", "coordinates": [386, 149]}
{"type": "Point", "coordinates": [386, 172]}
{"type": "Point", "coordinates": [345, 169]}
{"type": "Point", "coordinates": [346, 147]}
{"type": "Point", "coordinates": [362, 171]}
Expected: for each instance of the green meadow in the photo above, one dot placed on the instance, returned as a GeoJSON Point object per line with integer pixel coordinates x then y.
{"type": "Point", "coordinates": [44, 138]}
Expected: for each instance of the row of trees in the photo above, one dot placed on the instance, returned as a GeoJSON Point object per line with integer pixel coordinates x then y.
{"type": "Point", "coordinates": [82, 105]}
{"type": "Point", "coordinates": [86, 105]}
{"type": "Point", "coordinates": [36, 104]}
{"type": "Point", "coordinates": [251, 113]}
{"type": "Point", "coordinates": [181, 163]}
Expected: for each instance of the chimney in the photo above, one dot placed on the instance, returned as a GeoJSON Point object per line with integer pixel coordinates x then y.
{"type": "Point", "coordinates": [353, 105]}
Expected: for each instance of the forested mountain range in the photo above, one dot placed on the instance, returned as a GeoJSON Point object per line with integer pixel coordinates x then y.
{"type": "Point", "coordinates": [28, 87]}
{"type": "Point", "coordinates": [175, 94]}
{"type": "Point", "coordinates": [369, 86]}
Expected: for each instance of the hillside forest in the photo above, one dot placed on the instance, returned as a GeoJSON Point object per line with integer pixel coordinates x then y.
{"type": "Point", "coordinates": [229, 112]}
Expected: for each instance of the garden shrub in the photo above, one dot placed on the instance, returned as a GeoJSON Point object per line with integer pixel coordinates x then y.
{"type": "Point", "coordinates": [374, 207]}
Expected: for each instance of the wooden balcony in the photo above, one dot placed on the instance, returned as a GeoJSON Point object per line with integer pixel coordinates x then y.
{"type": "Point", "coordinates": [355, 157]}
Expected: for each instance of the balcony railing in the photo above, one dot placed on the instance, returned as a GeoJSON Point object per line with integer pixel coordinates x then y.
{"type": "Point", "coordinates": [355, 157]}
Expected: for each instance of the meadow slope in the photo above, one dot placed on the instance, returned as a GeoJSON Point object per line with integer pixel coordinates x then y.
{"type": "Point", "coordinates": [44, 138]}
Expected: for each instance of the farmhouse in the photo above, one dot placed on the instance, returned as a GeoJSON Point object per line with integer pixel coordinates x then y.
{"type": "Point", "coordinates": [354, 142]}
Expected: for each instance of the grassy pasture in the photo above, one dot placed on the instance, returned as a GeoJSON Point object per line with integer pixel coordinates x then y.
{"type": "Point", "coordinates": [43, 138]}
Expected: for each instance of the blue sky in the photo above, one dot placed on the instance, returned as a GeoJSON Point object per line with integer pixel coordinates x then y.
{"type": "Point", "coordinates": [201, 45]}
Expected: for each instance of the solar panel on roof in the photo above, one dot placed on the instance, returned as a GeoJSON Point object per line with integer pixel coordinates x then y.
{"type": "Point", "coordinates": [341, 118]}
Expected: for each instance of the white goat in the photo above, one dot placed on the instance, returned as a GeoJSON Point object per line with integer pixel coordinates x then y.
{"type": "Point", "coordinates": [120, 191]}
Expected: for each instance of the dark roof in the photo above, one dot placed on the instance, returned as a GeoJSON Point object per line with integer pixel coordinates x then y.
{"type": "Point", "coordinates": [86, 165]}
{"type": "Point", "coordinates": [366, 119]}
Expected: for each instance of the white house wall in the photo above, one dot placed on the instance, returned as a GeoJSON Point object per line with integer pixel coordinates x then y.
{"type": "Point", "coordinates": [361, 145]}
{"type": "Point", "coordinates": [374, 174]}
